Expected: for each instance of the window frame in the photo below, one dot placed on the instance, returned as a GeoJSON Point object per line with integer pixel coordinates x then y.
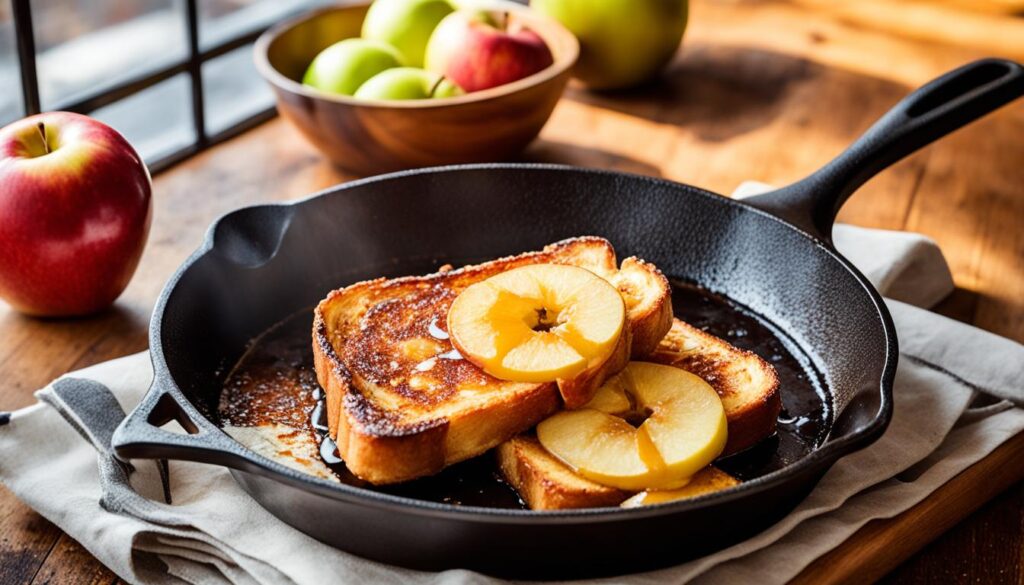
{"type": "Point", "coordinates": [191, 65]}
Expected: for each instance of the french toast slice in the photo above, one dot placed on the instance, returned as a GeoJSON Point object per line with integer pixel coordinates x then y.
{"type": "Point", "coordinates": [545, 483]}
{"type": "Point", "coordinates": [747, 385]}
{"type": "Point", "coordinates": [403, 404]}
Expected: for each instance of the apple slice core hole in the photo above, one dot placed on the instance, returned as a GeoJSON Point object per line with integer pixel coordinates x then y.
{"type": "Point", "coordinates": [546, 320]}
{"type": "Point", "coordinates": [637, 416]}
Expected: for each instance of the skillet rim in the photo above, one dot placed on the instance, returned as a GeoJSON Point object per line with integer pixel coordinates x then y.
{"type": "Point", "coordinates": [828, 453]}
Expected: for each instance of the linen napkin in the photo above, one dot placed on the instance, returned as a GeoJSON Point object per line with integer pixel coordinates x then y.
{"type": "Point", "coordinates": [55, 456]}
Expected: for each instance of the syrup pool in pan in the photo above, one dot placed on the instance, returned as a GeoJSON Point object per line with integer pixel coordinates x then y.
{"type": "Point", "coordinates": [274, 383]}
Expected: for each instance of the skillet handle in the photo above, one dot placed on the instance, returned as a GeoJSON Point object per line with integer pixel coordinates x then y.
{"type": "Point", "coordinates": [140, 436]}
{"type": "Point", "coordinates": [936, 109]}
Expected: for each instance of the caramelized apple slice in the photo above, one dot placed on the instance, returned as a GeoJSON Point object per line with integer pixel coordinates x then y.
{"type": "Point", "coordinates": [537, 323]}
{"type": "Point", "coordinates": [602, 447]}
{"type": "Point", "coordinates": [687, 423]}
{"type": "Point", "coordinates": [681, 429]}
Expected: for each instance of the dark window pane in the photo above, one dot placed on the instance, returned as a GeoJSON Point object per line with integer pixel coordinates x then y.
{"type": "Point", "coordinates": [84, 46]}
{"type": "Point", "coordinates": [157, 120]}
{"type": "Point", "coordinates": [233, 90]}
{"type": "Point", "coordinates": [220, 20]}
{"type": "Point", "coordinates": [10, 75]}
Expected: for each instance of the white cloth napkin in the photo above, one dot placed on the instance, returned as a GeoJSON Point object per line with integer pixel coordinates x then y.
{"type": "Point", "coordinates": [214, 533]}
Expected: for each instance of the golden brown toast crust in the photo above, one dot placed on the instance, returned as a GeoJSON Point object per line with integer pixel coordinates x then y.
{"type": "Point", "coordinates": [747, 384]}
{"type": "Point", "coordinates": [651, 321]}
{"type": "Point", "coordinates": [545, 483]}
{"type": "Point", "coordinates": [399, 407]}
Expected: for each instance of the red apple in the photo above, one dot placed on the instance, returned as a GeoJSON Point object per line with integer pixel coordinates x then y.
{"type": "Point", "coordinates": [478, 50]}
{"type": "Point", "coordinates": [75, 209]}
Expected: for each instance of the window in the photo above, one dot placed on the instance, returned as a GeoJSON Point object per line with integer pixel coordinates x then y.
{"type": "Point", "coordinates": [173, 76]}
{"type": "Point", "coordinates": [232, 89]}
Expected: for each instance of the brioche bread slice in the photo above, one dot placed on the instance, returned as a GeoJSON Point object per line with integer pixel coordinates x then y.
{"type": "Point", "coordinates": [545, 483]}
{"type": "Point", "coordinates": [747, 385]}
{"type": "Point", "coordinates": [402, 403]}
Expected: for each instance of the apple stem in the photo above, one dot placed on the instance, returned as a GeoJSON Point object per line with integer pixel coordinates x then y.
{"type": "Point", "coordinates": [437, 84]}
{"type": "Point", "coordinates": [503, 20]}
{"type": "Point", "coordinates": [42, 134]}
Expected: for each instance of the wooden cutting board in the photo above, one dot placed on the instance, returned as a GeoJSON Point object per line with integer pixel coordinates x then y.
{"type": "Point", "coordinates": [881, 545]}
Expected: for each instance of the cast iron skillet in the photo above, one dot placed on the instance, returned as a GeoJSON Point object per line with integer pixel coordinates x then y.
{"type": "Point", "coordinates": [772, 253]}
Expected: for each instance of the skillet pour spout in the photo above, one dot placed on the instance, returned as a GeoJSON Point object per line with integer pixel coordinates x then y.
{"type": "Point", "coordinates": [771, 254]}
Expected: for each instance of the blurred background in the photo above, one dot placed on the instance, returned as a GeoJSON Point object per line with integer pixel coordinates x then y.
{"type": "Point", "coordinates": [84, 48]}
{"type": "Point", "coordinates": [127, 62]}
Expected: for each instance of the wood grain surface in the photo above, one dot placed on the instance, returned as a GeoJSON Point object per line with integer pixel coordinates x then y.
{"type": "Point", "coordinates": [761, 90]}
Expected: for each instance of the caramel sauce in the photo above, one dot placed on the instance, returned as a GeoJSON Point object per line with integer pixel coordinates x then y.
{"type": "Point", "coordinates": [274, 383]}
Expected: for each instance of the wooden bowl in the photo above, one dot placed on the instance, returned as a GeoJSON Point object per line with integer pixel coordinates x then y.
{"type": "Point", "coordinates": [376, 136]}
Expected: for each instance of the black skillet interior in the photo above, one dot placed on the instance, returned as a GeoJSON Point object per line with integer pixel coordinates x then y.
{"type": "Point", "coordinates": [261, 264]}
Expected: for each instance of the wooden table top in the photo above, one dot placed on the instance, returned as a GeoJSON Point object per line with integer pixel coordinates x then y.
{"type": "Point", "coordinates": [761, 90]}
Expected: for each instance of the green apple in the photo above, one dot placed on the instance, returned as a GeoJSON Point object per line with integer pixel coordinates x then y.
{"type": "Point", "coordinates": [622, 42]}
{"type": "Point", "coordinates": [346, 65]}
{"type": "Point", "coordinates": [406, 25]}
{"type": "Point", "coordinates": [407, 83]}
